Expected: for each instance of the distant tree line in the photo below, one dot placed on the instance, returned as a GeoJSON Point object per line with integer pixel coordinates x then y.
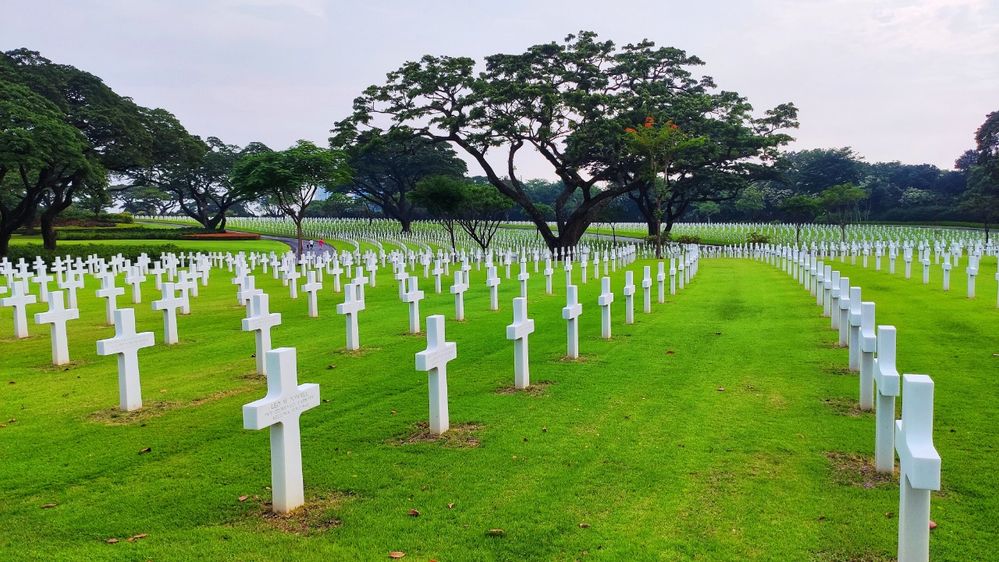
{"type": "Point", "coordinates": [630, 132]}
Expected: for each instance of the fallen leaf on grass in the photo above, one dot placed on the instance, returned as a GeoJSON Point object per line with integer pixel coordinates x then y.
{"type": "Point", "coordinates": [450, 506]}
{"type": "Point", "coordinates": [112, 540]}
{"type": "Point", "coordinates": [721, 389]}
{"type": "Point", "coordinates": [414, 513]}
{"type": "Point", "coordinates": [134, 538]}
{"type": "Point", "coordinates": [49, 505]}
{"type": "Point", "coordinates": [243, 498]}
{"type": "Point", "coordinates": [146, 450]}
{"type": "Point", "coordinates": [933, 524]}
{"type": "Point", "coordinates": [495, 532]}
{"type": "Point", "coordinates": [396, 554]}
{"type": "Point", "coordinates": [584, 525]}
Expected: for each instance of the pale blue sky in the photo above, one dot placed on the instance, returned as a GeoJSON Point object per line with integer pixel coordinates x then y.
{"type": "Point", "coordinates": [896, 80]}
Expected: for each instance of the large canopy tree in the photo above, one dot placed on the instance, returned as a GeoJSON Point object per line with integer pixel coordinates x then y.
{"type": "Point", "coordinates": [388, 165]}
{"type": "Point", "coordinates": [38, 149]}
{"type": "Point", "coordinates": [982, 166]}
{"type": "Point", "coordinates": [195, 172]}
{"type": "Point", "coordinates": [114, 133]}
{"type": "Point", "coordinates": [570, 103]}
{"type": "Point", "coordinates": [291, 178]}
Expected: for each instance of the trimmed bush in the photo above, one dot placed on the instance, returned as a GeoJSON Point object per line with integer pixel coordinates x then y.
{"type": "Point", "coordinates": [687, 239]}
{"type": "Point", "coordinates": [30, 251]}
{"type": "Point", "coordinates": [757, 238]}
{"type": "Point", "coordinates": [129, 233]}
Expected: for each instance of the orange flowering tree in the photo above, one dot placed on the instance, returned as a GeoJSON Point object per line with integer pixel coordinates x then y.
{"type": "Point", "coordinates": [663, 148]}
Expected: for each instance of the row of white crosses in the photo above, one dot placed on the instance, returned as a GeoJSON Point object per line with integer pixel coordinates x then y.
{"type": "Point", "coordinates": [912, 436]}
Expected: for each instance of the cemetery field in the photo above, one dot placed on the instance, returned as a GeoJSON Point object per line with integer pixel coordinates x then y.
{"type": "Point", "coordinates": [722, 426]}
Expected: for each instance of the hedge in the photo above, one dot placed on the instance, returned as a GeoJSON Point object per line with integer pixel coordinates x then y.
{"type": "Point", "coordinates": [107, 251]}
{"type": "Point", "coordinates": [128, 233]}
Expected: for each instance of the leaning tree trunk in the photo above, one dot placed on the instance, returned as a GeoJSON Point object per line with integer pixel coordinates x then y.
{"type": "Point", "coordinates": [407, 224]}
{"type": "Point", "coordinates": [48, 231]}
{"type": "Point", "coordinates": [298, 233]}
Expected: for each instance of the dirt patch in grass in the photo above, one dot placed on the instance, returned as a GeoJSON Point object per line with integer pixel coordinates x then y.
{"type": "Point", "coordinates": [837, 556]}
{"type": "Point", "coordinates": [458, 436]}
{"type": "Point", "coordinates": [837, 370]}
{"type": "Point", "coordinates": [567, 359]}
{"type": "Point", "coordinates": [319, 514]}
{"type": "Point", "coordinates": [50, 368]}
{"type": "Point", "coordinates": [851, 469]}
{"type": "Point", "coordinates": [846, 407]}
{"type": "Point", "coordinates": [115, 416]}
{"type": "Point", "coordinates": [357, 352]}
{"type": "Point", "coordinates": [535, 389]}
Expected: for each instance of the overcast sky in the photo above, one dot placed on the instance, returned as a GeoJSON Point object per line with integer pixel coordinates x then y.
{"type": "Point", "coordinates": [894, 79]}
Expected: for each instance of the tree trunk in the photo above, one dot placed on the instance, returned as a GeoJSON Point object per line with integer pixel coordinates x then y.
{"type": "Point", "coordinates": [47, 221]}
{"type": "Point", "coordinates": [4, 243]}
{"type": "Point", "coordinates": [797, 235]}
{"type": "Point", "coordinates": [407, 224]}
{"type": "Point", "coordinates": [298, 232]}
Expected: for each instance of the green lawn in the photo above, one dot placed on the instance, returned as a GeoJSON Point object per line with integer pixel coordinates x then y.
{"type": "Point", "coordinates": [720, 427]}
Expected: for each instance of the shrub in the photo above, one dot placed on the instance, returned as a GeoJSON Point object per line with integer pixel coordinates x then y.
{"type": "Point", "coordinates": [106, 251]}
{"type": "Point", "coordinates": [757, 238]}
{"type": "Point", "coordinates": [687, 239]}
{"type": "Point", "coordinates": [128, 233]}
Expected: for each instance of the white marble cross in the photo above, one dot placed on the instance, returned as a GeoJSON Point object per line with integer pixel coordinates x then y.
{"type": "Point", "coordinates": [134, 277]}
{"type": "Point", "coordinates": [493, 281]}
{"type": "Point", "coordinates": [280, 410]}
{"type": "Point", "coordinates": [647, 289]}
{"type": "Point", "coordinates": [188, 286]}
{"type": "Point", "coordinates": [57, 316]}
{"type": "Point", "coordinates": [919, 465]}
{"type": "Point", "coordinates": [438, 271]}
{"type": "Point", "coordinates": [548, 276]}
{"type": "Point", "coordinates": [261, 320]}
{"type": "Point", "coordinates": [110, 293]}
{"type": "Point", "coordinates": [571, 312]}
{"type": "Point", "coordinates": [521, 328]}
{"type": "Point", "coordinates": [844, 311]}
{"type": "Point", "coordinates": [458, 289]}
{"type": "Point", "coordinates": [629, 297]}
{"type": "Point", "coordinates": [434, 361]}
{"type": "Point", "coordinates": [868, 345]}
{"type": "Point", "coordinates": [312, 287]}
{"type": "Point", "coordinates": [972, 271]}
{"type": "Point", "coordinates": [169, 304]}
{"type": "Point", "coordinates": [71, 282]}
{"type": "Point", "coordinates": [42, 279]}
{"type": "Point", "coordinates": [854, 335]}
{"type": "Point", "coordinates": [887, 381]}
{"type": "Point", "coordinates": [605, 300]}
{"type": "Point", "coordinates": [19, 299]}
{"type": "Point", "coordinates": [661, 281]}
{"type": "Point", "coordinates": [523, 276]}
{"type": "Point", "coordinates": [350, 307]}
{"type": "Point", "coordinates": [413, 296]}
{"type": "Point", "coordinates": [126, 343]}
{"type": "Point", "coordinates": [292, 277]}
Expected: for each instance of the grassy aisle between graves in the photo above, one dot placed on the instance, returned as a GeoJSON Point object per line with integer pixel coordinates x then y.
{"type": "Point", "coordinates": [720, 427]}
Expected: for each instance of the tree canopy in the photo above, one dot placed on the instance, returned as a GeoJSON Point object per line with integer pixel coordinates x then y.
{"type": "Point", "coordinates": [291, 178]}
{"type": "Point", "coordinates": [570, 102]}
{"type": "Point", "coordinates": [388, 164]}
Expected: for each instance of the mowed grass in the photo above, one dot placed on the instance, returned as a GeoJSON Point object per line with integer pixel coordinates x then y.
{"type": "Point", "coordinates": [719, 427]}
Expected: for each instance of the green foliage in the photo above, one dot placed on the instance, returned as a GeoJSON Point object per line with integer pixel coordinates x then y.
{"type": "Point", "coordinates": [477, 209]}
{"type": "Point", "coordinates": [291, 178]}
{"type": "Point", "coordinates": [106, 251]}
{"type": "Point", "coordinates": [387, 166]}
{"type": "Point", "coordinates": [757, 238]}
{"type": "Point", "coordinates": [130, 233]}
{"type": "Point", "coordinates": [571, 102]}
{"type": "Point", "coordinates": [687, 239]}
